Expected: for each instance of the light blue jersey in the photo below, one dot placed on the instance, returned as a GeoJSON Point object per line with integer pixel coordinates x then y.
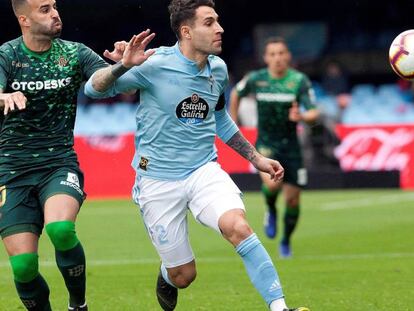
{"type": "Point", "coordinates": [181, 109]}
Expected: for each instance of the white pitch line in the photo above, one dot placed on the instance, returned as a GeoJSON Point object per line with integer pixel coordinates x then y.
{"type": "Point", "coordinates": [358, 256]}
{"type": "Point", "coordinates": [125, 262]}
{"type": "Point", "coordinates": [379, 200]}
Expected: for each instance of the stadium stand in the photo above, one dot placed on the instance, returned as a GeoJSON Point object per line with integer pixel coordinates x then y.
{"type": "Point", "coordinates": [369, 104]}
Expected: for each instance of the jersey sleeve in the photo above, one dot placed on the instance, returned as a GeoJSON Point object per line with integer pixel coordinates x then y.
{"type": "Point", "coordinates": [4, 70]}
{"type": "Point", "coordinates": [225, 126]}
{"type": "Point", "coordinates": [306, 96]}
{"type": "Point", "coordinates": [90, 61]}
{"type": "Point", "coordinates": [134, 79]}
{"type": "Point", "coordinates": [245, 86]}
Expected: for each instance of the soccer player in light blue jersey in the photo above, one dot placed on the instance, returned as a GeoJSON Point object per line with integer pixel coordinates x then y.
{"type": "Point", "coordinates": [182, 109]}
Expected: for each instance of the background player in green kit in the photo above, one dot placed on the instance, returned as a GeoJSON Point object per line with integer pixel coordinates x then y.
{"type": "Point", "coordinates": [40, 181]}
{"type": "Point", "coordinates": [279, 90]}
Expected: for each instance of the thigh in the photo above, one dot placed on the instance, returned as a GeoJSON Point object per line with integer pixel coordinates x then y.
{"type": "Point", "coordinates": [163, 206]}
{"type": "Point", "coordinates": [295, 173]}
{"type": "Point", "coordinates": [212, 193]}
{"type": "Point", "coordinates": [60, 207]}
{"type": "Point", "coordinates": [291, 194]}
{"type": "Point", "coordinates": [21, 243]}
{"type": "Point", "coordinates": [20, 210]}
{"type": "Point", "coordinates": [66, 180]}
{"type": "Point", "coordinates": [211, 215]}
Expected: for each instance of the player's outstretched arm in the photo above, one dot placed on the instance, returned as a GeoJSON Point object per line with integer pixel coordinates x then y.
{"type": "Point", "coordinates": [133, 55]}
{"type": "Point", "coordinates": [12, 101]}
{"type": "Point", "coordinates": [242, 146]}
{"type": "Point", "coordinates": [234, 105]}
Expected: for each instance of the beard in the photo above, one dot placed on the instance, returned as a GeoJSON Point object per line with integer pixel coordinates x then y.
{"type": "Point", "coordinates": [48, 31]}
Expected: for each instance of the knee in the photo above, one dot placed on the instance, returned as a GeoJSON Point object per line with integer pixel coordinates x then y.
{"type": "Point", "coordinates": [236, 230]}
{"type": "Point", "coordinates": [182, 278]}
{"type": "Point", "coordinates": [272, 187]}
{"type": "Point", "coordinates": [292, 202]}
{"type": "Point", "coordinates": [241, 231]}
{"type": "Point", "coordinates": [62, 234]}
{"type": "Point", "coordinates": [25, 267]}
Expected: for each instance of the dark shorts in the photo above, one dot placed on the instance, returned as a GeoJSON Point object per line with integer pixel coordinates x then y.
{"type": "Point", "coordinates": [22, 199]}
{"type": "Point", "coordinates": [295, 172]}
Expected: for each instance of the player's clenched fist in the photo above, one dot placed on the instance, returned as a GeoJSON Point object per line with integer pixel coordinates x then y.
{"type": "Point", "coordinates": [270, 166]}
{"type": "Point", "coordinates": [12, 101]}
{"type": "Point", "coordinates": [294, 113]}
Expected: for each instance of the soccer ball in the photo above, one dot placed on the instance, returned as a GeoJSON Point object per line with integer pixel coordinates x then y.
{"type": "Point", "coordinates": [401, 55]}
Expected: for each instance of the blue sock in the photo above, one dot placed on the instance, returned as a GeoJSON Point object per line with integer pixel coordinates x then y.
{"type": "Point", "coordinates": [260, 268]}
{"type": "Point", "coordinates": [164, 273]}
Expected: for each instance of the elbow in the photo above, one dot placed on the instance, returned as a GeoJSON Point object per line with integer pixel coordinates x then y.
{"type": "Point", "coordinates": [91, 91]}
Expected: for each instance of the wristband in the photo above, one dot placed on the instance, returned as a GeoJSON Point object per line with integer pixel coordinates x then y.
{"type": "Point", "coordinates": [118, 69]}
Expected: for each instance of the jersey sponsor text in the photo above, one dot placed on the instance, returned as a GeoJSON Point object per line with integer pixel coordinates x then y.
{"type": "Point", "coordinates": [40, 85]}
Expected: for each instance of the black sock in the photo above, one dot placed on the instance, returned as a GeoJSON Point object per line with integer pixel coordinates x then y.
{"type": "Point", "coordinates": [72, 265]}
{"type": "Point", "coordinates": [270, 198]}
{"type": "Point", "coordinates": [34, 294]}
{"type": "Point", "coordinates": [290, 220]}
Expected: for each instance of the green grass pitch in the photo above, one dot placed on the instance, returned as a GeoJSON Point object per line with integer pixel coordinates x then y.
{"type": "Point", "coordinates": [353, 250]}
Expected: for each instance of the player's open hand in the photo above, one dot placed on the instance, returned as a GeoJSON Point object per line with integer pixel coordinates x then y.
{"type": "Point", "coordinates": [118, 51]}
{"type": "Point", "coordinates": [270, 166]}
{"type": "Point", "coordinates": [135, 54]}
{"type": "Point", "coordinates": [294, 113]}
{"type": "Point", "coordinates": [12, 101]}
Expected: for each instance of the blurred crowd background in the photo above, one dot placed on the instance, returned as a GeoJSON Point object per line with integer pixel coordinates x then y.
{"type": "Point", "coordinates": [342, 46]}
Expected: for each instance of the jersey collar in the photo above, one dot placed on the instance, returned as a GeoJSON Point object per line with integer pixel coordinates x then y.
{"type": "Point", "coordinates": [39, 55]}
{"type": "Point", "coordinates": [192, 65]}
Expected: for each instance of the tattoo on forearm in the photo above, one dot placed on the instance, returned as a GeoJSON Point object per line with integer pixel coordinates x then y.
{"type": "Point", "coordinates": [104, 78]}
{"type": "Point", "coordinates": [242, 146]}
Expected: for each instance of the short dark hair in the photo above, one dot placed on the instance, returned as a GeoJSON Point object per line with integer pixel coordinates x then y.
{"type": "Point", "coordinates": [276, 39]}
{"type": "Point", "coordinates": [17, 4]}
{"type": "Point", "coordinates": [184, 10]}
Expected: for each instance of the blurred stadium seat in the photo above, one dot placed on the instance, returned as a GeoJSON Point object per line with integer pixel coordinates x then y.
{"type": "Point", "coordinates": [369, 104]}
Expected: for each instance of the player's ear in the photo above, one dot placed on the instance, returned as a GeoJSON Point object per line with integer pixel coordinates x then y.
{"type": "Point", "coordinates": [265, 58]}
{"type": "Point", "coordinates": [289, 56]}
{"type": "Point", "coordinates": [185, 32]}
{"type": "Point", "coordinates": [23, 20]}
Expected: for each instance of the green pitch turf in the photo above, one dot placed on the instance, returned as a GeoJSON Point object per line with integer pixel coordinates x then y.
{"type": "Point", "coordinates": [354, 250]}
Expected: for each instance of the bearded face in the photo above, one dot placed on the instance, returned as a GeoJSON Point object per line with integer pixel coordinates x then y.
{"type": "Point", "coordinates": [43, 19]}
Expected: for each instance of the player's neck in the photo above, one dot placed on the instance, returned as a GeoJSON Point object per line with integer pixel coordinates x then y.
{"type": "Point", "coordinates": [194, 55]}
{"type": "Point", "coordinates": [37, 44]}
{"type": "Point", "coordinates": [277, 74]}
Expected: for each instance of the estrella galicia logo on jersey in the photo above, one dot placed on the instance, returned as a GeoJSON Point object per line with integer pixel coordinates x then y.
{"type": "Point", "coordinates": [192, 110]}
{"type": "Point", "coordinates": [143, 163]}
{"type": "Point", "coordinates": [2, 195]}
